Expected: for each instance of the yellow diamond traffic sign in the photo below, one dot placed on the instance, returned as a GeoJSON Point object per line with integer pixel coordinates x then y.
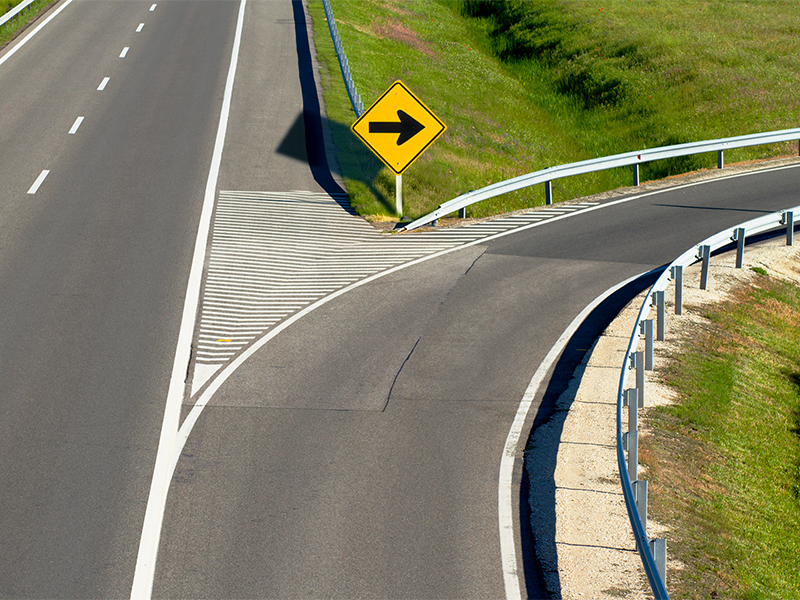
{"type": "Point", "coordinates": [398, 127]}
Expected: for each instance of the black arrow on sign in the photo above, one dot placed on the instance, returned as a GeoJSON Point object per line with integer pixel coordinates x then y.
{"type": "Point", "coordinates": [407, 127]}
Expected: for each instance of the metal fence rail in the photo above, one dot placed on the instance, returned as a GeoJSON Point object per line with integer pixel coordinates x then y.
{"type": "Point", "coordinates": [634, 159]}
{"type": "Point", "coordinates": [653, 552]}
{"type": "Point", "coordinates": [355, 99]}
{"type": "Point", "coordinates": [15, 11]}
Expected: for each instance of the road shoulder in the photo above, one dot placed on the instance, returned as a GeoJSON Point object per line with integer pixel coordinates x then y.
{"type": "Point", "coordinates": [594, 546]}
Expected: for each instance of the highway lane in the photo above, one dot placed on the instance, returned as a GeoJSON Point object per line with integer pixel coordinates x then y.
{"type": "Point", "coordinates": [93, 268]}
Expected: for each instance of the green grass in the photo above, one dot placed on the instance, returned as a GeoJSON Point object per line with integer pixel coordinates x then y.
{"type": "Point", "coordinates": [724, 461]}
{"type": "Point", "coordinates": [20, 21]}
{"type": "Point", "coordinates": [555, 83]}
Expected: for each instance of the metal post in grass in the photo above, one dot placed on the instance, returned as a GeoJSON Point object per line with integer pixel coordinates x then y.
{"type": "Point", "coordinates": [788, 220]}
{"type": "Point", "coordinates": [738, 237]}
{"type": "Point", "coordinates": [647, 331]}
{"type": "Point", "coordinates": [636, 175]}
{"type": "Point", "coordinates": [705, 255]}
{"type": "Point", "coordinates": [677, 277]}
{"type": "Point", "coordinates": [658, 547]}
{"type": "Point", "coordinates": [720, 160]}
{"type": "Point", "coordinates": [462, 212]}
{"type": "Point", "coordinates": [548, 192]}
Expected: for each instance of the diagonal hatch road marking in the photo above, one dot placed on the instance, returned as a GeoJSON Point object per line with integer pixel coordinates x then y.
{"type": "Point", "coordinates": [274, 253]}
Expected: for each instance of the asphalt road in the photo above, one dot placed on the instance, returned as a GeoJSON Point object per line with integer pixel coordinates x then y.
{"type": "Point", "coordinates": [354, 455]}
{"type": "Point", "coordinates": [357, 454]}
{"type": "Point", "coordinates": [93, 270]}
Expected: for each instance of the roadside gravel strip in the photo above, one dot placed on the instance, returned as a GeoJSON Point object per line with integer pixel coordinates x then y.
{"type": "Point", "coordinates": [594, 544]}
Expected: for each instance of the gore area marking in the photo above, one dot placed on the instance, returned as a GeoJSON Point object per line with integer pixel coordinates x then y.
{"type": "Point", "coordinates": [75, 125]}
{"type": "Point", "coordinates": [39, 180]}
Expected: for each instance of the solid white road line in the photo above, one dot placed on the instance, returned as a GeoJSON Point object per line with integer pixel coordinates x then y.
{"type": "Point", "coordinates": [103, 84]}
{"type": "Point", "coordinates": [140, 27]}
{"type": "Point", "coordinates": [34, 32]}
{"type": "Point", "coordinates": [124, 52]}
{"type": "Point", "coordinates": [39, 180]}
{"type": "Point", "coordinates": [75, 125]}
{"type": "Point", "coordinates": [166, 456]}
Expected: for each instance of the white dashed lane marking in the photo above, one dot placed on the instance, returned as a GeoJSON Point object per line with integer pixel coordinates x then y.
{"type": "Point", "coordinates": [74, 129]}
{"type": "Point", "coordinates": [39, 181]}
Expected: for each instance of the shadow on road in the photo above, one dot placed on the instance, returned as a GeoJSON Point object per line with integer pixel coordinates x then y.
{"type": "Point", "coordinates": [538, 493]}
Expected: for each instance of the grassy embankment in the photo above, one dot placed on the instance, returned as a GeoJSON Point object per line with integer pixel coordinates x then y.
{"type": "Point", "coordinates": [724, 461]}
{"type": "Point", "coordinates": [12, 28]}
{"type": "Point", "coordinates": [524, 85]}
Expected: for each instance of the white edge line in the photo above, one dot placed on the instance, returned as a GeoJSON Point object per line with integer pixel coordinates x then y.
{"type": "Point", "coordinates": [39, 181]}
{"type": "Point", "coordinates": [144, 573]}
{"type": "Point", "coordinates": [75, 125]}
{"type": "Point", "coordinates": [511, 450]}
{"type": "Point", "coordinates": [34, 32]}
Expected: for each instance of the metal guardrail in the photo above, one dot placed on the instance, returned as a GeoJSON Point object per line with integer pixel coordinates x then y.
{"type": "Point", "coordinates": [633, 159]}
{"type": "Point", "coordinates": [653, 552]}
{"type": "Point", "coordinates": [355, 99]}
{"type": "Point", "coordinates": [15, 11]}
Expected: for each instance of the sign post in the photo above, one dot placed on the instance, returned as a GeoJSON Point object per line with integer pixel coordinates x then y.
{"type": "Point", "coordinates": [398, 128]}
{"type": "Point", "coordinates": [398, 194]}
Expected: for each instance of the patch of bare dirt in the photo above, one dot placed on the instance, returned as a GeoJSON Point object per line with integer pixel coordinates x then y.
{"type": "Point", "coordinates": [395, 30]}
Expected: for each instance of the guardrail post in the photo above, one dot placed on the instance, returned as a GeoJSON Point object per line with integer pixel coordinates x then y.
{"type": "Point", "coordinates": [720, 160]}
{"type": "Point", "coordinates": [636, 175]}
{"type": "Point", "coordinates": [639, 362]}
{"type": "Point", "coordinates": [647, 330]}
{"type": "Point", "coordinates": [640, 495]}
{"type": "Point", "coordinates": [659, 548]}
{"type": "Point", "coordinates": [462, 212]}
{"type": "Point", "coordinates": [658, 302]}
{"type": "Point", "coordinates": [548, 192]}
{"type": "Point", "coordinates": [705, 255]}
{"type": "Point", "coordinates": [788, 220]}
{"type": "Point", "coordinates": [633, 434]}
{"type": "Point", "coordinates": [677, 276]}
{"type": "Point", "coordinates": [739, 236]}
